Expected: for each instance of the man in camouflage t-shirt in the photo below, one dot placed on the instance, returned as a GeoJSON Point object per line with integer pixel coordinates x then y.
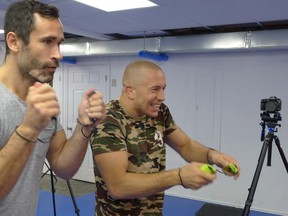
{"type": "Point", "coordinates": [129, 148]}
{"type": "Point", "coordinates": [144, 144]}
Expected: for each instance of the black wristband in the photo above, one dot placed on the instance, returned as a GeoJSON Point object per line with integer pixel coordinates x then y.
{"type": "Point", "coordinates": [88, 137]}
{"type": "Point", "coordinates": [89, 125]}
{"type": "Point", "coordinates": [179, 174]}
{"type": "Point", "coordinates": [207, 155]}
{"type": "Point", "coordinates": [24, 138]}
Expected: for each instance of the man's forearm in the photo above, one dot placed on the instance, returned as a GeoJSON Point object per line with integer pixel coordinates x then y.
{"type": "Point", "coordinates": [13, 158]}
{"type": "Point", "coordinates": [135, 185]}
{"type": "Point", "coordinates": [72, 154]}
{"type": "Point", "coordinates": [194, 151]}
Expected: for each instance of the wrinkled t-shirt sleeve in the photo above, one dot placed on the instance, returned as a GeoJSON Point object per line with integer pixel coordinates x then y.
{"type": "Point", "coordinates": [109, 136]}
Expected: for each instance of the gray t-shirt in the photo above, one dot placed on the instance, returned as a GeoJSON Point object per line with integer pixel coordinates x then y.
{"type": "Point", "coordinates": [23, 198]}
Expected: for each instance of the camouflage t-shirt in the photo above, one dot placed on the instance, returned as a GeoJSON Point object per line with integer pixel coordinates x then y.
{"type": "Point", "coordinates": [144, 140]}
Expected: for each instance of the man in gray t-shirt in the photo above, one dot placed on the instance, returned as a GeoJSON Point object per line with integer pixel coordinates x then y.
{"type": "Point", "coordinates": [29, 130]}
{"type": "Point", "coordinates": [22, 200]}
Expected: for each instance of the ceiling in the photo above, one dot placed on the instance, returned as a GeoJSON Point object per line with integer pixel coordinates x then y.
{"type": "Point", "coordinates": [170, 18]}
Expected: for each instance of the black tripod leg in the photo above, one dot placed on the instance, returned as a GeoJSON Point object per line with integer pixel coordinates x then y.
{"type": "Point", "coordinates": [52, 176]}
{"type": "Point", "coordinates": [53, 190]}
{"type": "Point", "coordinates": [269, 154]}
{"type": "Point", "coordinates": [73, 199]}
{"type": "Point", "coordinates": [281, 152]}
{"type": "Point", "coordinates": [266, 144]}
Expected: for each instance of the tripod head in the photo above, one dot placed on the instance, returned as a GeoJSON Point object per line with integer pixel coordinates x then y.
{"type": "Point", "coordinates": [270, 122]}
{"type": "Point", "coordinates": [270, 115]}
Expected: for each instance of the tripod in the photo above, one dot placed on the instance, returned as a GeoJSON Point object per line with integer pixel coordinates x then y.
{"type": "Point", "coordinates": [52, 178]}
{"type": "Point", "coordinates": [267, 146]}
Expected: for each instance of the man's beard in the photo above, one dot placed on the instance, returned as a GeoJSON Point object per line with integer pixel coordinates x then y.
{"type": "Point", "coordinates": [33, 69]}
{"type": "Point", "coordinates": [38, 76]}
{"type": "Point", "coordinates": [39, 72]}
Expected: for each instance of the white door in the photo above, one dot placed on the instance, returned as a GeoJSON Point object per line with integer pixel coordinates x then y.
{"type": "Point", "coordinates": [81, 77]}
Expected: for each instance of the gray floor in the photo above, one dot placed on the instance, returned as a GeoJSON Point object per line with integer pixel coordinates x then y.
{"type": "Point", "coordinates": [78, 188]}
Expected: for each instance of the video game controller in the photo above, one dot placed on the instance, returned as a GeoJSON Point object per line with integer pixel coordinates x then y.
{"type": "Point", "coordinates": [232, 168]}
{"type": "Point", "coordinates": [208, 168]}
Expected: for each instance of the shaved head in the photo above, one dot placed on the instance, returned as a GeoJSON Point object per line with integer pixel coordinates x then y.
{"type": "Point", "coordinates": [143, 88]}
{"type": "Point", "coordinates": [135, 71]}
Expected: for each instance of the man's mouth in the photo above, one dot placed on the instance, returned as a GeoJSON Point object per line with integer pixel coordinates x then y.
{"type": "Point", "coordinates": [156, 106]}
{"type": "Point", "coordinates": [51, 69]}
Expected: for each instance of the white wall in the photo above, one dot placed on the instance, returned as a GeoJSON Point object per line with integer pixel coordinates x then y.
{"type": "Point", "coordinates": [246, 78]}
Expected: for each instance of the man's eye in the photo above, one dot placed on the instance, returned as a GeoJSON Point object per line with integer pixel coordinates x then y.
{"type": "Point", "coordinates": [47, 41]}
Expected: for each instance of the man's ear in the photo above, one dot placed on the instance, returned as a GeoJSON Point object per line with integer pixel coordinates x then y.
{"type": "Point", "coordinates": [13, 42]}
{"type": "Point", "coordinates": [130, 91]}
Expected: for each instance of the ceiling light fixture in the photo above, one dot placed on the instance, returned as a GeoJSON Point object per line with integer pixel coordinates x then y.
{"type": "Point", "coordinates": [68, 60]}
{"type": "Point", "coordinates": [153, 55]}
{"type": "Point", "coordinates": [116, 5]}
{"type": "Point", "coordinates": [157, 56]}
{"type": "Point", "coordinates": [1, 31]}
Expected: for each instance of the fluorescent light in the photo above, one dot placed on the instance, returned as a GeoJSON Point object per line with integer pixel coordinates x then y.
{"type": "Point", "coordinates": [116, 5]}
{"type": "Point", "coordinates": [1, 31]}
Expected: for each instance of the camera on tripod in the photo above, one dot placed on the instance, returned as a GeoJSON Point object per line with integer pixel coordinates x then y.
{"type": "Point", "coordinates": [269, 106]}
